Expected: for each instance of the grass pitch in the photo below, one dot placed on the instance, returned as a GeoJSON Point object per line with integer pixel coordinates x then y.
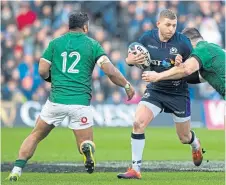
{"type": "Point", "coordinates": [113, 144]}
{"type": "Point", "coordinates": [155, 178]}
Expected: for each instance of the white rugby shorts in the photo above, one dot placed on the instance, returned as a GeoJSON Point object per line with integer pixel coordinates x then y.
{"type": "Point", "coordinates": [80, 116]}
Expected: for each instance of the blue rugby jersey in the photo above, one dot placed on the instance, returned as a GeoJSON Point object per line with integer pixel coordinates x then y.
{"type": "Point", "coordinates": [163, 56]}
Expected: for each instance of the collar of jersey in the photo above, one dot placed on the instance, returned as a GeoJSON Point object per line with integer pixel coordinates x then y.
{"type": "Point", "coordinates": [200, 42]}
{"type": "Point", "coordinates": [75, 33]}
{"type": "Point", "coordinates": [158, 39]}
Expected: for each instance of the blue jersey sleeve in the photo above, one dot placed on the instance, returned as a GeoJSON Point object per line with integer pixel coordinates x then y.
{"type": "Point", "coordinates": [143, 37]}
{"type": "Point", "coordinates": [187, 48]}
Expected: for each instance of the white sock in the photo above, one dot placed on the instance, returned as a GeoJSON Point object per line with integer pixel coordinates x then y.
{"type": "Point", "coordinates": [17, 170]}
{"type": "Point", "coordinates": [195, 144]}
{"type": "Point", "coordinates": [137, 142]}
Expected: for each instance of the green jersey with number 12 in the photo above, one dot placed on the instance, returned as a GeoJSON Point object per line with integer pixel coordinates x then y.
{"type": "Point", "coordinates": [72, 58]}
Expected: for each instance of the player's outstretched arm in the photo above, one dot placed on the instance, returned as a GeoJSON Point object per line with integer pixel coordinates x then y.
{"type": "Point", "coordinates": [43, 69]}
{"type": "Point", "coordinates": [115, 75]}
{"type": "Point", "coordinates": [188, 67]}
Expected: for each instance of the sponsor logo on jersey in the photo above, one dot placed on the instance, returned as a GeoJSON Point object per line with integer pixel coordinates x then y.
{"type": "Point", "coordinates": [156, 62]}
{"type": "Point", "coordinates": [176, 83]}
{"type": "Point", "coordinates": [173, 51]}
{"type": "Point", "coordinates": [167, 62]}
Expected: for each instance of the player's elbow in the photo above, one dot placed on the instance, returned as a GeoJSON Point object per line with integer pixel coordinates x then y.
{"type": "Point", "coordinates": [44, 73]}
{"type": "Point", "coordinates": [43, 69]}
{"type": "Point", "coordinates": [188, 71]}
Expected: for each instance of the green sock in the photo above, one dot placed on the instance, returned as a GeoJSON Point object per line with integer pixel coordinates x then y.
{"type": "Point", "coordinates": [20, 163]}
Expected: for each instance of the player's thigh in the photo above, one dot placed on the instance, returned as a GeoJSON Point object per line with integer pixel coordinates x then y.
{"type": "Point", "coordinates": [148, 108]}
{"type": "Point", "coordinates": [53, 113]}
{"type": "Point", "coordinates": [81, 122]}
{"type": "Point", "coordinates": [41, 129]}
{"type": "Point", "coordinates": [180, 107]}
{"type": "Point", "coordinates": [80, 117]}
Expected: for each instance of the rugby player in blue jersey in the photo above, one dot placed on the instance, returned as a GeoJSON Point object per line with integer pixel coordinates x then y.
{"type": "Point", "coordinates": [170, 96]}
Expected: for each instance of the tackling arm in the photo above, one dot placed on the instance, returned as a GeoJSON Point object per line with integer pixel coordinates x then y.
{"type": "Point", "coordinates": [187, 68]}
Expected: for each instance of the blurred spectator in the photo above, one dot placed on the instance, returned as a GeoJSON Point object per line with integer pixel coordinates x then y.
{"type": "Point", "coordinates": [115, 98]}
{"type": "Point", "coordinates": [29, 76]}
{"type": "Point", "coordinates": [107, 47]}
{"type": "Point", "coordinates": [210, 32]}
{"type": "Point", "coordinates": [7, 16]}
{"type": "Point", "coordinates": [118, 61]}
{"type": "Point", "coordinates": [40, 95]}
{"type": "Point", "coordinates": [25, 16]}
{"type": "Point", "coordinates": [208, 92]}
{"type": "Point", "coordinates": [28, 26]}
{"type": "Point", "coordinates": [135, 76]}
{"type": "Point", "coordinates": [98, 98]}
{"type": "Point", "coordinates": [11, 92]}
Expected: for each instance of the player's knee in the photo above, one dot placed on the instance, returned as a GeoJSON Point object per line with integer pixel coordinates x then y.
{"type": "Point", "coordinates": [139, 126]}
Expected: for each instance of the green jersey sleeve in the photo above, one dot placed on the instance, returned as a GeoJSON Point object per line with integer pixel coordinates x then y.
{"type": "Point", "coordinates": [99, 51]}
{"type": "Point", "coordinates": [48, 53]}
{"type": "Point", "coordinates": [201, 53]}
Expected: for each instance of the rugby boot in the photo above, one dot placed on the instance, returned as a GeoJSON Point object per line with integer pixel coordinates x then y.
{"type": "Point", "coordinates": [89, 161]}
{"type": "Point", "coordinates": [130, 174]}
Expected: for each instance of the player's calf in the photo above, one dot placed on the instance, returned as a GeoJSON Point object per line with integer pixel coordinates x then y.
{"type": "Point", "coordinates": [87, 148]}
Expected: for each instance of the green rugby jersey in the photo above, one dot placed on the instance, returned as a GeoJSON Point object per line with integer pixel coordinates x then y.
{"type": "Point", "coordinates": [212, 64]}
{"type": "Point", "coordinates": [72, 57]}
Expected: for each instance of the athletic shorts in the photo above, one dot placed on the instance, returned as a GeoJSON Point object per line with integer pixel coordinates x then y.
{"type": "Point", "coordinates": [178, 105]}
{"type": "Point", "coordinates": [80, 116]}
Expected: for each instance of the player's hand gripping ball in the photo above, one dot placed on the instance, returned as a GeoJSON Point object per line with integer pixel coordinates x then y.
{"type": "Point", "coordinates": [137, 48]}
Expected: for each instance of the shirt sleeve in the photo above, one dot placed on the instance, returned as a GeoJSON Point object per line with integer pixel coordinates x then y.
{"type": "Point", "coordinates": [187, 49]}
{"type": "Point", "coordinates": [142, 39]}
{"type": "Point", "coordinates": [99, 51]}
{"type": "Point", "coordinates": [202, 55]}
{"type": "Point", "coordinates": [48, 53]}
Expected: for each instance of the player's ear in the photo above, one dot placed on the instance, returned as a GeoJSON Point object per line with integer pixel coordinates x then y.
{"type": "Point", "coordinates": [85, 28]}
{"type": "Point", "coordinates": [158, 23]}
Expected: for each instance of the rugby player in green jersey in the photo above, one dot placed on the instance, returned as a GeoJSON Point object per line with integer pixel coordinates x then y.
{"type": "Point", "coordinates": [207, 58]}
{"type": "Point", "coordinates": [72, 58]}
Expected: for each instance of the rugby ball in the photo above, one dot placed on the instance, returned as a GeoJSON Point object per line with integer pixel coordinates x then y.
{"type": "Point", "coordinates": [137, 48]}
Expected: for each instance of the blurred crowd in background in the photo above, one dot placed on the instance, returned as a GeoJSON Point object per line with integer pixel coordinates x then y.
{"type": "Point", "coordinates": [27, 28]}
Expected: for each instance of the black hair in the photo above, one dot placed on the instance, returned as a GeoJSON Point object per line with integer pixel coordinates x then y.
{"type": "Point", "coordinates": [78, 20]}
{"type": "Point", "coordinates": [192, 33]}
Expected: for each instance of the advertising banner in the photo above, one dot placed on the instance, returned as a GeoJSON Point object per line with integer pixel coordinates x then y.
{"type": "Point", "coordinates": [214, 114]}
{"type": "Point", "coordinates": [20, 115]}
